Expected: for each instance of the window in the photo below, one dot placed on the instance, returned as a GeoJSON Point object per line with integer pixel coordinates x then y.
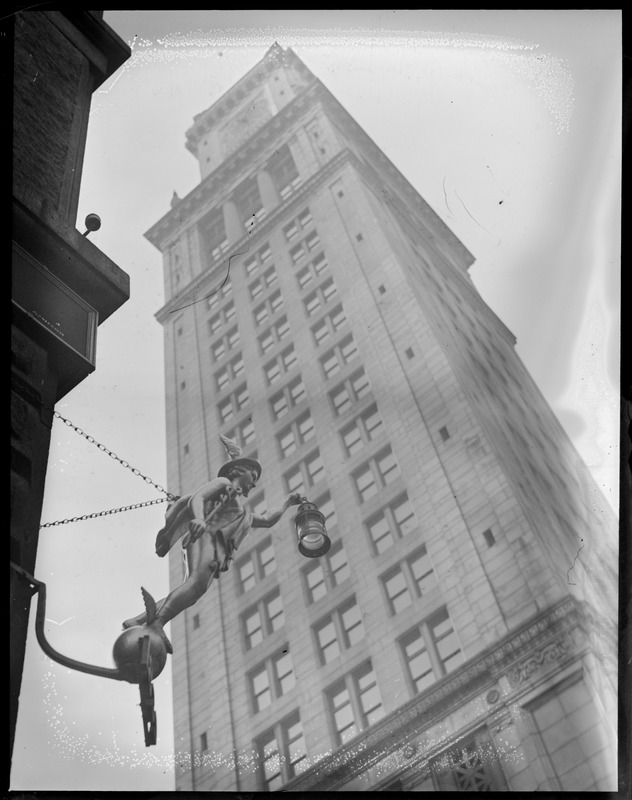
{"type": "Point", "coordinates": [267, 309]}
{"type": "Point", "coordinates": [287, 398]}
{"type": "Point", "coordinates": [296, 434]}
{"type": "Point", "coordinates": [296, 227]}
{"type": "Point", "coordinates": [215, 242]}
{"type": "Point", "coordinates": [338, 631]}
{"type": "Point", "coordinates": [470, 766]}
{"type": "Point", "coordinates": [409, 580]}
{"type": "Point", "coordinates": [271, 680]}
{"type": "Point", "coordinates": [260, 285]}
{"type": "Point", "coordinates": [355, 703]}
{"type": "Point", "coordinates": [262, 257]}
{"type": "Point", "coordinates": [243, 434]}
{"type": "Point", "coordinates": [375, 474]}
{"type": "Point", "coordinates": [263, 620]}
{"type": "Point", "coordinates": [256, 566]}
{"type": "Point", "coordinates": [223, 346]}
{"type": "Point", "coordinates": [248, 201]}
{"type": "Point", "coordinates": [329, 325]}
{"type": "Point", "coordinates": [306, 473]}
{"type": "Point", "coordinates": [350, 391]}
{"type": "Point", "coordinates": [230, 372]}
{"type": "Point", "coordinates": [283, 171]}
{"type": "Point", "coordinates": [324, 574]}
{"type": "Point", "coordinates": [320, 297]}
{"type": "Point", "coordinates": [364, 429]}
{"type": "Point", "coordinates": [339, 356]}
{"type": "Point", "coordinates": [282, 753]}
{"type": "Point", "coordinates": [218, 321]}
{"type": "Point", "coordinates": [215, 297]}
{"type": "Point", "coordinates": [391, 523]}
{"type": "Point", "coordinates": [237, 400]}
{"type": "Point", "coordinates": [431, 650]}
{"type": "Point", "coordinates": [283, 363]}
{"type": "Point", "coordinates": [203, 742]}
{"type": "Point", "coordinates": [312, 271]}
{"type": "Point", "coordinates": [275, 334]}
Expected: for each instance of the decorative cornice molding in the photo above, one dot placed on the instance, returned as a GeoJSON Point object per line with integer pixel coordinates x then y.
{"type": "Point", "coordinates": [261, 230]}
{"type": "Point", "coordinates": [222, 180]}
{"type": "Point", "coordinates": [548, 635]}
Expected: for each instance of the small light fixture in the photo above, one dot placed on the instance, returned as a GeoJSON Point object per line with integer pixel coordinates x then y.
{"type": "Point", "coordinates": [310, 530]}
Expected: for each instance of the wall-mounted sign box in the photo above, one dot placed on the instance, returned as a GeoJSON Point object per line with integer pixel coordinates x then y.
{"type": "Point", "coordinates": [54, 316]}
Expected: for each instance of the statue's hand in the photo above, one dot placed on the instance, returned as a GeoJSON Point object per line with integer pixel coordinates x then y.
{"type": "Point", "coordinates": [294, 499]}
{"type": "Point", "coordinates": [197, 528]}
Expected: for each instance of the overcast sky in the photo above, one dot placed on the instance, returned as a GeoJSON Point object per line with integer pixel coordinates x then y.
{"type": "Point", "coordinates": [508, 123]}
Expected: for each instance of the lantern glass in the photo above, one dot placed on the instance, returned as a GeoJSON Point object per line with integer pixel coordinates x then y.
{"type": "Point", "coordinates": [311, 532]}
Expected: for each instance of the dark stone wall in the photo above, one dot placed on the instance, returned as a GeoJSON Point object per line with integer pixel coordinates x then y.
{"type": "Point", "coordinates": [51, 89]}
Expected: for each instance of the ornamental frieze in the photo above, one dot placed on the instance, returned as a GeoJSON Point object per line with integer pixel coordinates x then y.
{"type": "Point", "coordinates": [550, 655]}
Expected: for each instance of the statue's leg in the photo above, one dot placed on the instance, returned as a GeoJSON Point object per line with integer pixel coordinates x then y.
{"type": "Point", "coordinates": [201, 570]}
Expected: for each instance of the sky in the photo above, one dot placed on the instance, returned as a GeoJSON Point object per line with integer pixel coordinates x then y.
{"type": "Point", "coordinates": [508, 123]}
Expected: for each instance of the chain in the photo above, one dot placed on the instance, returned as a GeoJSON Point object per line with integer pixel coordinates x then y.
{"type": "Point", "coordinates": [126, 464]}
{"type": "Point", "coordinates": [104, 513]}
{"type": "Point", "coordinates": [169, 497]}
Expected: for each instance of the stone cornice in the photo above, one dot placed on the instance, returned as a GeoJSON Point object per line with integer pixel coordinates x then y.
{"type": "Point", "coordinates": [546, 639]}
{"type": "Point", "coordinates": [222, 180]}
{"type": "Point", "coordinates": [273, 58]}
{"type": "Point", "coordinates": [250, 241]}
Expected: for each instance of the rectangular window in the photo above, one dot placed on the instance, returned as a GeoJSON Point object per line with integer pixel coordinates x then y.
{"type": "Point", "coordinates": [234, 403]}
{"type": "Point", "coordinates": [320, 297]}
{"type": "Point", "coordinates": [281, 753]}
{"type": "Point", "coordinates": [290, 396]}
{"type": "Point", "coordinates": [243, 434]}
{"type": "Point", "coordinates": [275, 334]}
{"type": "Point", "coordinates": [409, 580]}
{"type": "Point", "coordinates": [306, 473]}
{"type": "Point", "coordinates": [230, 372]}
{"type": "Point", "coordinates": [248, 201]}
{"type": "Point", "coordinates": [391, 523]}
{"type": "Point", "coordinates": [350, 391]}
{"type": "Point", "coordinates": [378, 472]}
{"type": "Point", "coordinates": [339, 356]}
{"type": "Point", "coordinates": [268, 308]}
{"type": "Point", "coordinates": [328, 325]}
{"type": "Point", "coordinates": [213, 234]}
{"type": "Point", "coordinates": [222, 318]}
{"type": "Point", "coordinates": [296, 434]}
{"type": "Point", "coordinates": [362, 431]}
{"type": "Point", "coordinates": [271, 680]}
{"type": "Point", "coordinates": [431, 650]}
{"type": "Point", "coordinates": [263, 620]}
{"type": "Point", "coordinates": [355, 703]}
{"type": "Point", "coordinates": [258, 260]}
{"type": "Point", "coordinates": [298, 225]}
{"type": "Point", "coordinates": [325, 573]}
{"type": "Point", "coordinates": [338, 631]}
{"type": "Point", "coordinates": [283, 363]}
{"type": "Point", "coordinates": [283, 171]}
{"type": "Point", "coordinates": [312, 271]}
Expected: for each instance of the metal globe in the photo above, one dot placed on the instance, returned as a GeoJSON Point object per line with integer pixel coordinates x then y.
{"type": "Point", "coordinates": [127, 652]}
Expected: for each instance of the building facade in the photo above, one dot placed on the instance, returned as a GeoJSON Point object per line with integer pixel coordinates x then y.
{"type": "Point", "coordinates": [63, 286]}
{"type": "Point", "coordinates": [320, 313]}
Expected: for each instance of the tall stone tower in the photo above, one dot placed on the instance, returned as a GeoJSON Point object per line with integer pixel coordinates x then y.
{"type": "Point", "coordinates": [460, 633]}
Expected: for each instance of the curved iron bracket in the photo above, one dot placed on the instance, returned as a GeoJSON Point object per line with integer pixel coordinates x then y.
{"type": "Point", "coordinates": [145, 684]}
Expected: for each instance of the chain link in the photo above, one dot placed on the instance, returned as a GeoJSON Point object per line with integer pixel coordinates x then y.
{"type": "Point", "coordinates": [121, 461]}
{"type": "Point", "coordinates": [105, 513]}
{"type": "Point", "coordinates": [169, 497]}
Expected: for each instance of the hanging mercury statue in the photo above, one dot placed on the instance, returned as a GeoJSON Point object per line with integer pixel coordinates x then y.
{"type": "Point", "coordinates": [211, 524]}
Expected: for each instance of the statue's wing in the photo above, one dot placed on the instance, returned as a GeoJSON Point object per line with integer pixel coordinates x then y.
{"type": "Point", "coordinates": [150, 606]}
